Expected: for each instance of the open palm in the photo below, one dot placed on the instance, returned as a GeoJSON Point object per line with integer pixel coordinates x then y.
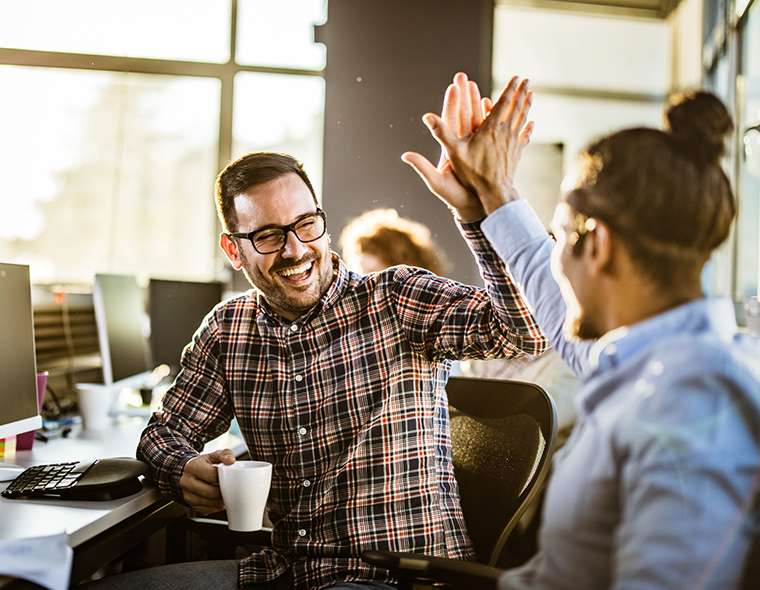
{"type": "Point", "coordinates": [463, 111]}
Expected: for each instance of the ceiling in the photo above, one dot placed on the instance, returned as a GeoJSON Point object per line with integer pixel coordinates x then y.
{"type": "Point", "coordinates": [639, 8]}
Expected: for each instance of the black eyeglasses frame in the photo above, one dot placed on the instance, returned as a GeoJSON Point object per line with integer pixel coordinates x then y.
{"type": "Point", "coordinates": [291, 227]}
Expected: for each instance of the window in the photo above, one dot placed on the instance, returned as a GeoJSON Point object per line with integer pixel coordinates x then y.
{"type": "Point", "coordinates": [288, 44]}
{"type": "Point", "coordinates": [107, 172]}
{"type": "Point", "coordinates": [195, 30]}
{"type": "Point", "coordinates": [720, 79]}
{"type": "Point", "coordinates": [275, 112]}
{"type": "Point", "coordinates": [748, 223]}
{"type": "Point", "coordinates": [116, 120]}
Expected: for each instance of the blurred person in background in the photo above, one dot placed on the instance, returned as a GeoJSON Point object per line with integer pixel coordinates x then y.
{"type": "Point", "coordinates": [381, 238]}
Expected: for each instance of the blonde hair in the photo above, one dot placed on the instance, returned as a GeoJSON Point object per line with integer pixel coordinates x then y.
{"type": "Point", "coordinates": [383, 233]}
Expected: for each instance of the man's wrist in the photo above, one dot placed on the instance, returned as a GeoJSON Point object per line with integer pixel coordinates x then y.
{"type": "Point", "coordinates": [492, 199]}
{"type": "Point", "coordinates": [470, 215]}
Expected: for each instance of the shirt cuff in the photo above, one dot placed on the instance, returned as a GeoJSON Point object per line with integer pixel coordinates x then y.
{"type": "Point", "coordinates": [479, 245]}
{"type": "Point", "coordinates": [513, 225]}
{"type": "Point", "coordinates": [175, 467]}
{"type": "Point", "coordinates": [471, 229]}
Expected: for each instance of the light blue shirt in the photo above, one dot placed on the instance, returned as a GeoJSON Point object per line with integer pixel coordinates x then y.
{"type": "Point", "coordinates": [653, 489]}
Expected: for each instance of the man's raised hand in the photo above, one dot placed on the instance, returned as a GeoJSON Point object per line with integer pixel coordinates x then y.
{"type": "Point", "coordinates": [485, 161]}
{"type": "Point", "coordinates": [463, 112]}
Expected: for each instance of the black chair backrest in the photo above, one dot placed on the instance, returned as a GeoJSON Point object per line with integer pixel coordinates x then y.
{"type": "Point", "coordinates": [502, 436]}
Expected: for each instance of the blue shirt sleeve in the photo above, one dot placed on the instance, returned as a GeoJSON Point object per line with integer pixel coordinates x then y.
{"type": "Point", "coordinates": [519, 238]}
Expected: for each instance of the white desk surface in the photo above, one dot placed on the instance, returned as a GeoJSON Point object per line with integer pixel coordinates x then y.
{"type": "Point", "coordinates": [82, 520]}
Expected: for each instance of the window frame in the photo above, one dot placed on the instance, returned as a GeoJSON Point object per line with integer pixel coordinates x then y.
{"type": "Point", "coordinates": [224, 72]}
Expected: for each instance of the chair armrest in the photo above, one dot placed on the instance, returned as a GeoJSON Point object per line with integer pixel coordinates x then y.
{"type": "Point", "coordinates": [9, 583]}
{"type": "Point", "coordinates": [455, 572]}
{"type": "Point", "coordinates": [217, 531]}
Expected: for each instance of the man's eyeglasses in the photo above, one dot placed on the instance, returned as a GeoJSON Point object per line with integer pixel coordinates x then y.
{"type": "Point", "coordinates": [576, 229]}
{"type": "Point", "coordinates": [582, 225]}
{"type": "Point", "coordinates": [272, 238]}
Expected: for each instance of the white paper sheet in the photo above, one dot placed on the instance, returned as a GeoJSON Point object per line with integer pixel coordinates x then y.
{"type": "Point", "coordinates": [43, 560]}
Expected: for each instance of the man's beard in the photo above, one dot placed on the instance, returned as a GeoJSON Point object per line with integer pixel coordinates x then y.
{"type": "Point", "coordinates": [276, 295]}
{"type": "Point", "coordinates": [578, 326]}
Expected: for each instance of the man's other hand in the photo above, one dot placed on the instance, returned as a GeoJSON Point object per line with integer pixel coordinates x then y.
{"type": "Point", "coordinates": [200, 481]}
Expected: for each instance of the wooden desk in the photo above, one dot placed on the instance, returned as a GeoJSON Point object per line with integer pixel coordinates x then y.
{"type": "Point", "coordinates": [97, 531]}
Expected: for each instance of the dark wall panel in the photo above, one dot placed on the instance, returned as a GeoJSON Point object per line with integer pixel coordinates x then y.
{"type": "Point", "coordinates": [388, 63]}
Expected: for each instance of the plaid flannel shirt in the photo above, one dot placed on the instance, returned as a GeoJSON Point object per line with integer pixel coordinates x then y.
{"type": "Point", "coordinates": [348, 403]}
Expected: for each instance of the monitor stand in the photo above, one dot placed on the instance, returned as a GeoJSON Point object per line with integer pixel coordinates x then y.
{"type": "Point", "coordinates": [9, 471]}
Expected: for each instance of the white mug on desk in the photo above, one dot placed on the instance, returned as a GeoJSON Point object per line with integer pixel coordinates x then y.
{"type": "Point", "coordinates": [95, 401]}
{"type": "Point", "coordinates": [245, 489]}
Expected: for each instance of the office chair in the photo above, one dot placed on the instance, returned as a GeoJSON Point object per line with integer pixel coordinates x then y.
{"type": "Point", "coordinates": [502, 435]}
{"type": "Point", "coordinates": [219, 541]}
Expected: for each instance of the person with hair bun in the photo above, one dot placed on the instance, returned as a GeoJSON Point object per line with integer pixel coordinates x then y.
{"type": "Point", "coordinates": [656, 486]}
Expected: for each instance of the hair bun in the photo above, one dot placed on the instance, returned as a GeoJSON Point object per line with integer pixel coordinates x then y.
{"type": "Point", "coordinates": [700, 121]}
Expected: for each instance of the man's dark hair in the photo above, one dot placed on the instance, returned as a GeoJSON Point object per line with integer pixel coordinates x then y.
{"type": "Point", "coordinates": [247, 172]}
{"type": "Point", "coordinates": [664, 193]}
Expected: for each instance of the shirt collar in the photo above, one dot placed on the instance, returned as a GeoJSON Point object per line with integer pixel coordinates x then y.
{"type": "Point", "coordinates": [340, 280]}
{"type": "Point", "coordinates": [701, 315]}
{"type": "Point", "coordinates": [338, 285]}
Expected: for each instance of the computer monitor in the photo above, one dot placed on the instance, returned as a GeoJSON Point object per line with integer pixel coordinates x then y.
{"type": "Point", "coordinates": [18, 369]}
{"type": "Point", "coordinates": [120, 315]}
{"type": "Point", "coordinates": [176, 310]}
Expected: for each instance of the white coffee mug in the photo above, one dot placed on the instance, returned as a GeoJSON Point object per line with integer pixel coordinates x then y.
{"type": "Point", "coordinates": [95, 402]}
{"type": "Point", "coordinates": [245, 489]}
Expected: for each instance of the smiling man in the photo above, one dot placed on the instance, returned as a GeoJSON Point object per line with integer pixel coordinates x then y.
{"type": "Point", "coordinates": [335, 378]}
{"type": "Point", "coordinates": [295, 279]}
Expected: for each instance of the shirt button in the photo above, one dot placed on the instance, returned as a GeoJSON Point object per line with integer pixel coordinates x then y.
{"type": "Point", "coordinates": [293, 327]}
{"type": "Point", "coordinates": [302, 431]}
{"type": "Point", "coordinates": [299, 378]}
{"type": "Point", "coordinates": [301, 532]}
{"type": "Point", "coordinates": [306, 483]}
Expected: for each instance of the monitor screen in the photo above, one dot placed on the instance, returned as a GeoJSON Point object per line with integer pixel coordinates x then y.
{"type": "Point", "coordinates": [18, 372]}
{"type": "Point", "coordinates": [176, 310]}
{"type": "Point", "coordinates": [119, 313]}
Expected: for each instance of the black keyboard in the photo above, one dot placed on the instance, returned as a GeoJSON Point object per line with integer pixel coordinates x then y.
{"type": "Point", "coordinates": [102, 479]}
{"type": "Point", "coordinates": [46, 479]}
